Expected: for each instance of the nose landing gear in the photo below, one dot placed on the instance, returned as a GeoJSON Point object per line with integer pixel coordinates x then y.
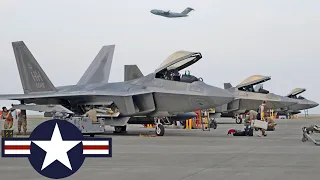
{"type": "Point", "coordinates": [159, 127]}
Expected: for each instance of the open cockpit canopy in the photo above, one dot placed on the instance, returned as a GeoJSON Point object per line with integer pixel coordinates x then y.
{"type": "Point", "coordinates": [296, 92]}
{"type": "Point", "coordinates": [179, 60]}
{"type": "Point", "coordinates": [170, 67]}
{"type": "Point", "coordinates": [247, 84]}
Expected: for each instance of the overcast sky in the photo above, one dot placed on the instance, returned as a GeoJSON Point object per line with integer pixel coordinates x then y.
{"type": "Point", "coordinates": [237, 38]}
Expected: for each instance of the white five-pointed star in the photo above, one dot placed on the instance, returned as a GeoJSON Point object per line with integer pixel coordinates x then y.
{"type": "Point", "coordinates": [56, 149]}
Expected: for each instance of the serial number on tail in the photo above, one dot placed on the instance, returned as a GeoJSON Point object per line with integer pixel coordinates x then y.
{"type": "Point", "coordinates": [40, 85]}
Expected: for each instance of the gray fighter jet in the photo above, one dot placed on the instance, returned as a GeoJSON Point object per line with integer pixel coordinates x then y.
{"type": "Point", "coordinates": [158, 94]}
{"type": "Point", "coordinates": [302, 103]}
{"type": "Point", "coordinates": [169, 14]}
{"type": "Point", "coordinates": [249, 97]}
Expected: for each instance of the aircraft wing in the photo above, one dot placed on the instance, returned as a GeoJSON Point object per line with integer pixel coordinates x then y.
{"type": "Point", "coordinates": [64, 95]}
{"type": "Point", "coordinates": [123, 100]}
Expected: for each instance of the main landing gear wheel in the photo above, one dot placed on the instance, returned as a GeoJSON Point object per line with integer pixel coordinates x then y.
{"type": "Point", "coordinates": [238, 120]}
{"type": "Point", "coordinates": [159, 130]}
{"type": "Point", "coordinates": [119, 129]}
{"type": "Point", "coordinates": [213, 124]}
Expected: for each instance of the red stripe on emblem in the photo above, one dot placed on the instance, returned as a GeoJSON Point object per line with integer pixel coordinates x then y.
{"type": "Point", "coordinates": [95, 147]}
{"type": "Point", "coordinates": [17, 147]}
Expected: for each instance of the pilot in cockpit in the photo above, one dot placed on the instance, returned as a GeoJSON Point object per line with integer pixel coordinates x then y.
{"type": "Point", "coordinates": [175, 75]}
{"type": "Point", "coordinates": [250, 89]}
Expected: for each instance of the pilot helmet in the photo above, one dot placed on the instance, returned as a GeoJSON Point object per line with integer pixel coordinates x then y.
{"type": "Point", "coordinates": [187, 73]}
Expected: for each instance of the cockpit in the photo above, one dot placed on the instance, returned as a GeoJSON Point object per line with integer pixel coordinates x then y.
{"type": "Point", "coordinates": [296, 97]}
{"type": "Point", "coordinates": [256, 89]}
{"type": "Point", "coordinates": [174, 75]}
{"type": "Point", "coordinates": [253, 84]}
{"type": "Point", "coordinates": [295, 92]}
{"type": "Point", "coordinates": [170, 67]}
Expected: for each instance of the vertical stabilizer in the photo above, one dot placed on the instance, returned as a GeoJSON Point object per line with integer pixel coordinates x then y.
{"type": "Point", "coordinates": [131, 72]}
{"type": "Point", "coordinates": [32, 76]}
{"type": "Point", "coordinates": [187, 10]}
{"type": "Point", "coordinates": [227, 85]}
{"type": "Point", "coordinates": [99, 69]}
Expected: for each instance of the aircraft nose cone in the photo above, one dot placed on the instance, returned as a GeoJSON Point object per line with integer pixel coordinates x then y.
{"type": "Point", "coordinates": [152, 11]}
{"type": "Point", "coordinates": [212, 96]}
{"type": "Point", "coordinates": [220, 96]}
{"type": "Point", "coordinates": [313, 104]}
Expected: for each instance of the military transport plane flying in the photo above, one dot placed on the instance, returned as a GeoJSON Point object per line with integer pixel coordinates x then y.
{"type": "Point", "coordinates": [156, 95]}
{"type": "Point", "coordinates": [302, 103]}
{"type": "Point", "coordinates": [247, 97]}
{"type": "Point", "coordinates": [169, 14]}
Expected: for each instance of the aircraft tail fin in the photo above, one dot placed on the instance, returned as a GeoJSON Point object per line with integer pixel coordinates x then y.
{"type": "Point", "coordinates": [227, 85]}
{"type": "Point", "coordinates": [187, 10]}
{"type": "Point", "coordinates": [99, 69]}
{"type": "Point", "coordinates": [132, 72]}
{"type": "Point", "coordinates": [33, 78]}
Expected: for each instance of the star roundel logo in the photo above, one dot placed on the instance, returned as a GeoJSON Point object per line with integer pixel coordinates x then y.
{"type": "Point", "coordinates": [56, 148]}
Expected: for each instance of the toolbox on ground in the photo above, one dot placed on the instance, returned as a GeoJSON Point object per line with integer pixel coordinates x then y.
{"type": "Point", "coordinates": [259, 124]}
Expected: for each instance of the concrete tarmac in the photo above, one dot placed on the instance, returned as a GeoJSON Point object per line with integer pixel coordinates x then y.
{"type": "Point", "coordinates": [195, 154]}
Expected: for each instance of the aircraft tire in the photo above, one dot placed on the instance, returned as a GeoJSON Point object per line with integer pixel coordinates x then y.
{"type": "Point", "coordinates": [118, 129]}
{"type": "Point", "coordinates": [183, 123]}
{"type": "Point", "coordinates": [159, 130]}
{"type": "Point", "coordinates": [238, 120]}
{"type": "Point", "coordinates": [123, 128]}
{"type": "Point", "coordinates": [213, 124]}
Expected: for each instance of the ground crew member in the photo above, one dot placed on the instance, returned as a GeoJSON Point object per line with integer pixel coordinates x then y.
{"type": "Point", "coordinates": [22, 121]}
{"type": "Point", "coordinates": [250, 116]}
{"type": "Point", "coordinates": [92, 114]}
{"type": "Point", "coordinates": [262, 110]}
{"type": "Point", "coordinates": [8, 123]}
{"type": "Point", "coordinates": [263, 114]}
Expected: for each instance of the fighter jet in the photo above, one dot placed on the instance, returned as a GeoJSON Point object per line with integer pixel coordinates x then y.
{"type": "Point", "coordinates": [169, 14]}
{"type": "Point", "coordinates": [302, 103]}
{"type": "Point", "coordinates": [249, 97]}
{"type": "Point", "coordinates": [156, 95]}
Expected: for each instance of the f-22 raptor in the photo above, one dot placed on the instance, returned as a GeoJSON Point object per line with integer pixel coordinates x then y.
{"type": "Point", "coordinates": [169, 14]}
{"type": "Point", "coordinates": [302, 103]}
{"type": "Point", "coordinates": [158, 94]}
{"type": "Point", "coordinates": [249, 97]}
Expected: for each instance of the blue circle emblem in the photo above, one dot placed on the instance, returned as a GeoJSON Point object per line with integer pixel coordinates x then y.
{"type": "Point", "coordinates": [56, 149]}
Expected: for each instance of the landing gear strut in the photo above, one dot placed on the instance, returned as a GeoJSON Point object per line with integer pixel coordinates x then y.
{"type": "Point", "coordinates": [159, 127]}
{"type": "Point", "coordinates": [120, 129]}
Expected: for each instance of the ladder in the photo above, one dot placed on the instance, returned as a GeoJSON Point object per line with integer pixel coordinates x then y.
{"type": "Point", "coordinates": [306, 113]}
